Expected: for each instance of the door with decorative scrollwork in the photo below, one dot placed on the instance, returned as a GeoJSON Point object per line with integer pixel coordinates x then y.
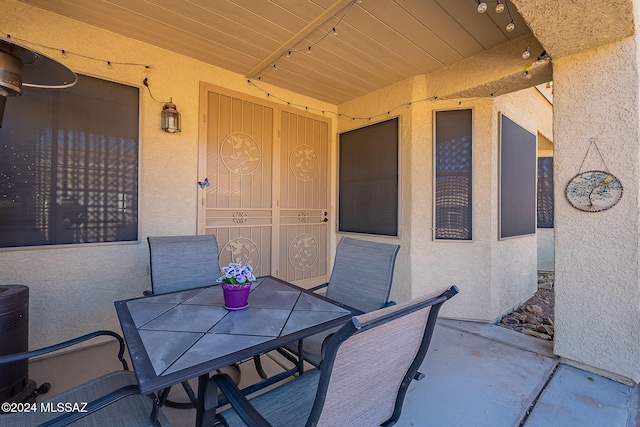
{"type": "Point", "coordinates": [304, 197]}
{"type": "Point", "coordinates": [267, 197]}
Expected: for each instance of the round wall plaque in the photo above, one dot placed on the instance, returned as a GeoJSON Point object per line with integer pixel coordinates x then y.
{"type": "Point", "coordinates": [593, 191]}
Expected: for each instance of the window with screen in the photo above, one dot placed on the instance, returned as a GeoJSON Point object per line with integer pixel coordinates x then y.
{"type": "Point", "coordinates": [452, 166]}
{"type": "Point", "coordinates": [69, 165]}
{"type": "Point", "coordinates": [518, 154]}
{"type": "Point", "coordinates": [545, 192]}
{"type": "Point", "coordinates": [368, 179]}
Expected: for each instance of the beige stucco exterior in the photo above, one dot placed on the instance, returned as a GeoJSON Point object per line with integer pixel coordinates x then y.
{"type": "Point", "coordinates": [597, 256]}
{"type": "Point", "coordinates": [72, 290]}
{"type": "Point", "coordinates": [495, 275]}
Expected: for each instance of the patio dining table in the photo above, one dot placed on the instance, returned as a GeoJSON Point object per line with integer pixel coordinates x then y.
{"type": "Point", "coordinates": [182, 335]}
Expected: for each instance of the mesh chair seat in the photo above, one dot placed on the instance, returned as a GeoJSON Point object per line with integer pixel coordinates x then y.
{"type": "Point", "coordinates": [299, 395]}
{"type": "Point", "coordinates": [133, 410]}
{"type": "Point", "coordinates": [362, 382]}
{"type": "Point", "coordinates": [113, 399]}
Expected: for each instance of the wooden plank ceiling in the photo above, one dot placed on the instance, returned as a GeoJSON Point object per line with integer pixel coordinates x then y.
{"type": "Point", "coordinates": [377, 42]}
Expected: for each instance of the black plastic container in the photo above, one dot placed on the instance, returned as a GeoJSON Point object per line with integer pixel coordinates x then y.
{"type": "Point", "coordinates": [14, 338]}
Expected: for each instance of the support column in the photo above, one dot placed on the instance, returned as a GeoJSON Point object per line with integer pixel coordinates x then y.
{"type": "Point", "coordinates": [596, 95]}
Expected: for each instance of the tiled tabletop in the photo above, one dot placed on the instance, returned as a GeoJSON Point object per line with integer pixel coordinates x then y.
{"type": "Point", "coordinates": [177, 336]}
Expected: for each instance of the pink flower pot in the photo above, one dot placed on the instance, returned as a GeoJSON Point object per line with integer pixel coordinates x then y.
{"type": "Point", "coordinates": [236, 297]}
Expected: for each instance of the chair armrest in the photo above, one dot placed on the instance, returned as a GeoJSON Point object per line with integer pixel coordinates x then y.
{"type": "Point", "coordinates": [318, 287]}
{"type": "Point", "coordinates": [100, 403]}
{"type": "Point", "coordinates": [65, 344]}
{"type": "Point", "coordinates": [238, 401]}
{"type": "Point", "coordinates": [389, 304]}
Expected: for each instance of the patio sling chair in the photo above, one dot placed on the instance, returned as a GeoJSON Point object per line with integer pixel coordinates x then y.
{"type": "Point", "coordinates": [368, 366]}
{"type": "Point", "coordinates": [361, 278]}
{"type": "Point", "coordinates": [113, 399]}
{"type": "Point", "coordinates": [180, 263]}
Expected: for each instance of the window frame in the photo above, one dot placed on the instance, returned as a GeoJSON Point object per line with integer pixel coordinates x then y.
{"type": "Point", "coordinates": [137, 186]}
{"type": "Point", "coordinates": [434, 176]}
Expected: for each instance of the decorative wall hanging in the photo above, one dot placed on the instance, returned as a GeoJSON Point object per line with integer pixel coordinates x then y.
{"type": "Point", "coordinates": [593, 190]}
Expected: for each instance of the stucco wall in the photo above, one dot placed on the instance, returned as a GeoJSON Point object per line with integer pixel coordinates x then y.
{"type": "Point", "coordinates": [73, 289]}
{"type": "Point", "coordinates": [493, 275]}
{"type": "Point", "coordinates": [597, 290]}
{"type": "Point", "coordinates": [546, 251]}
{"type": "Point", "coordinates": [372, 105]}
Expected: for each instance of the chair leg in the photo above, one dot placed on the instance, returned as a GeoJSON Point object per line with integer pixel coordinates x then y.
{"type": "Point", "coordinates": [259, 368]}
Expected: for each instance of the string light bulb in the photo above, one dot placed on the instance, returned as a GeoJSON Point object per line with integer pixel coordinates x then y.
{"type": "Point", "coordinates": [511, 26]}
{"type": "Point", "coordinates": [288, 54]}
{"type": "Point", "coordinates": [526, 54]}
{"type": "Point", "coordinates": [309, 49]}
{"type": "Point", "coordinates": [334, 32]}
{"type": "Point", "coordinates": [499, 7]}
{"type": "Point", "coordinates": [482, 6]}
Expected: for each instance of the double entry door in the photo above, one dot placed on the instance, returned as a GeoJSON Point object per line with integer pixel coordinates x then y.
{"type": "Point", "coordinates": [267, 198]}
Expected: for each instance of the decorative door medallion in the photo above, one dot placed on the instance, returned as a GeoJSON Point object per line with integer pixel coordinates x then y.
{"type": "Point", "coordinates": [268, 196]}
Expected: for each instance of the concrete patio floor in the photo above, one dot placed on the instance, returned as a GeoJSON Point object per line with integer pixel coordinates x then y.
{"type": "Point", "coordinates": [476, 375]}
{"type": "Point", "coordinates": [485, 375]}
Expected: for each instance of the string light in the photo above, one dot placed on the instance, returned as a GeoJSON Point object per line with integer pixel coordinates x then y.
{"type": "Point", "coordinates": [387, 113]}
{"type": "Point", "coordinates": [333, 32]}
{"type": "Point", "coordinates": [65, 52]}
{"type": "Point", "coordinates": [501, 6]}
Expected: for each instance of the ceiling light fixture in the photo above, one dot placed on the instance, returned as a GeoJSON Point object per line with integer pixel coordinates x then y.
{"type": "Point", "coordinates": [22, 66]}
{"type": "Point", "coordinates": [482, 6]}
{"type": "Point", "coordinates": [499, 7]}
{"type": "Point", "coordinates": [526, 54]}
{"type": "Point", "coordinates": [511, 26]}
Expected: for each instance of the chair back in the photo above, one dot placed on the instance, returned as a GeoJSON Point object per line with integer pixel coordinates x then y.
{"type": "Point", "coordinates": [362, 273]}
{"type": "Point", "coordinates": [370, 362]}
{"type": "Point", "coordinates": [183, 262]}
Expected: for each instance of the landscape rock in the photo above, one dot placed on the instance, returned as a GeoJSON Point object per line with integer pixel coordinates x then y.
{"type": "Point", "coordinates": [536, 316]}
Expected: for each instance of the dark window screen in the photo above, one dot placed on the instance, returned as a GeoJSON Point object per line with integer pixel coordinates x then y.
{"type": "Point", "coordinates": [545, 192]}
{"type": "Point", "coordinates": [69, 165]}
{"type": "Point", "coordinates": [368, 180]}
{"type": "Point", "coordinates": [453, 174]}
{"type": "Point", "coordinates": [517, 180]}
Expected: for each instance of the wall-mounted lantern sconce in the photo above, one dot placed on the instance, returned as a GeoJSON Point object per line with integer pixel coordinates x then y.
{"type": "Point", "coordinates": [170, 121]}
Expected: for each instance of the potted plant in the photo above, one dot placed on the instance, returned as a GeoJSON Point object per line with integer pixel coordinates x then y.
{"type": "Point", "coordinates": [236, 283]}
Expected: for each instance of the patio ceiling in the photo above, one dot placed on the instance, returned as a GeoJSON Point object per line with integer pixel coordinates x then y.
{"type": "Point", "coordinates": [377, 42]}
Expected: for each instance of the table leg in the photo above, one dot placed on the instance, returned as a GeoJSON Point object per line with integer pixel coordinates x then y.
{"type": "Point", "coordinates": [300, 359]}
{"type": "Point", "coordinates": [202, 386]}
